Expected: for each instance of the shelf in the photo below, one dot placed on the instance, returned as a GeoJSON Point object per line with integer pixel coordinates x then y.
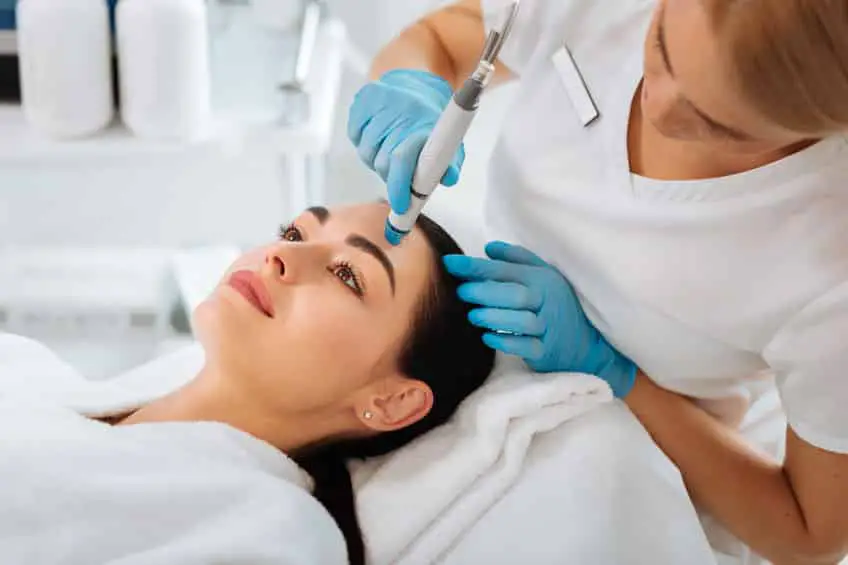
{"type": "Point", "coordinates": [240, 121]}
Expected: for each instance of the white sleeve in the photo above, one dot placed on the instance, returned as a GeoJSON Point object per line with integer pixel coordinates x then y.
{"type": "Point", "coordinates": [534, 16]}
{"type": "Point", "coordinates": [810, 358]}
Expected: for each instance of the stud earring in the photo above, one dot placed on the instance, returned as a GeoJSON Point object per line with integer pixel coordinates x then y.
{"type": "Point", "coordinates": [367, 414]}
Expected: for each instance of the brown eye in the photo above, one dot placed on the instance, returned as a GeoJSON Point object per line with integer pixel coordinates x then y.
{"type": "Point", "coordinates": [290, 233]}
{"type": "Point", "coordinates": [345, 273]}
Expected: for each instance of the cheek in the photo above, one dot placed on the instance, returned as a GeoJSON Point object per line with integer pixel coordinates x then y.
{"type": "Point", "coordinates": [325, 346]}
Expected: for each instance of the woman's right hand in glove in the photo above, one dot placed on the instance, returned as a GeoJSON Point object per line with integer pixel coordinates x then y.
{"type": "Point", "coordinates": [389, 123]}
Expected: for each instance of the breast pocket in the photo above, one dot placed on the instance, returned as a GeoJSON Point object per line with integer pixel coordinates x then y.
{"type": "Point", "coordinates": [554, 118]}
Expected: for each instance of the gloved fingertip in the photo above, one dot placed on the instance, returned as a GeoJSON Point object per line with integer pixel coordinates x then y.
{"type": "Point", "coordinates": [497, 249]}
{"type": "Point", "coordinates": [399, 198]}
{"type": "Point", "coordinates": [454, 266]}
{"type": "Point", "coordinates": [490, 340]}
{"type": "Point", "coordinates": [451, 262]}
{"type": "Point", "coordinates": [451, 176]}
{"type": "Point", "coordinates": [460, 266]}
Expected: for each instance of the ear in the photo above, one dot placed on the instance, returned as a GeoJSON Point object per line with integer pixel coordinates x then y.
{"type": "Point", "coordinates": [399, 402]}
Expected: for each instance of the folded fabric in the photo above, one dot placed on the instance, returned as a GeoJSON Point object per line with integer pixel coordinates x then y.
{"type": "Point", "coordinates": [416, 503]}
{"type": "Point", "coordinates": [413, 504]}
{"type": "Point", "coordinates": [77, 491]}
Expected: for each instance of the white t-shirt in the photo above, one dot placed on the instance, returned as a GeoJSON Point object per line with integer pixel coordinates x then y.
{"type": "Point", "coordinates": [715, 288]}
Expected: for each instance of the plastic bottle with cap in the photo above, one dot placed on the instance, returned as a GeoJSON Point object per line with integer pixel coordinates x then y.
{"type": "Point", "coordinates": [64, 50]}
{"type": "Point", "coordinates": [163, 57]}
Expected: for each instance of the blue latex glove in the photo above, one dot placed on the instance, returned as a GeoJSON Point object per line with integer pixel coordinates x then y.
{"type": "Point", "coordinates": [526, 297]}
{"type": "Point", "coordinates": [389, 122]}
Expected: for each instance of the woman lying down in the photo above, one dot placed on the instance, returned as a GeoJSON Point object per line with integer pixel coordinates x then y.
{"type": "Point", "coordinates": [325, 345]}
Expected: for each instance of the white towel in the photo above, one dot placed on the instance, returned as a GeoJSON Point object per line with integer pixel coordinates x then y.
{"type": "Point", "coordinates": [416, 503]}
{"type": "Point", "coordinates": [79, 492]}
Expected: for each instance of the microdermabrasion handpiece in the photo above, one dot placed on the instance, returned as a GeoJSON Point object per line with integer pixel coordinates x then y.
{"type": "Point", "coordinates": [450, 129]}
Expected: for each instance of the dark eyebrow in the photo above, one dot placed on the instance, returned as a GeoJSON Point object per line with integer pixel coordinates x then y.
{"type": "Point", "coordinates": [321, 214]}
{"type": "Point", "coordinates": [368, 246]}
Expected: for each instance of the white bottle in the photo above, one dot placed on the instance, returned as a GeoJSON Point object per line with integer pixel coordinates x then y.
{"type": "Point", "coordinates": [65, 51]}
{"type": "Point", "coordinates": [163, 61]}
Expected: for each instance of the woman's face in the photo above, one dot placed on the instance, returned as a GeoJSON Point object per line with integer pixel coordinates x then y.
{"type": "Point", "coordinates": [315, 321]}
{"type": "Point", "coordinates": [688, 93]}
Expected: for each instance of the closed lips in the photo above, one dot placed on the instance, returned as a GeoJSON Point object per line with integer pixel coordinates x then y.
{"type": "Point", "coordinates": [250, 286]}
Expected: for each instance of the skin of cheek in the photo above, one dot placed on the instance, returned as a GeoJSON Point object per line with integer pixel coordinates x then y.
{"type": "Point", "coordinates": [322, 345]}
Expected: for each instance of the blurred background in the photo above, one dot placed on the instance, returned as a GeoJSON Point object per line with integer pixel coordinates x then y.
{"type": "Point", "coordinates": [108, 242]}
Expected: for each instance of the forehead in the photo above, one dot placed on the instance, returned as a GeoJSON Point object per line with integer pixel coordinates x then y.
{"type": "Point", "coordinates": [412, 259]}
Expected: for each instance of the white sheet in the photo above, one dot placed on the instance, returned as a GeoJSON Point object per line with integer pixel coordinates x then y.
{"type": "Point", "coordinates": [596, 490]}
{"type": "Point", "coordinates": [417, 502]}
{"type": "Point", "coordinates": [78, 492]}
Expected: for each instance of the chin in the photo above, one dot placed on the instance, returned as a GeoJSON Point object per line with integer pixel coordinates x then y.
{"type": "Point", "coordinates": [206, 323]}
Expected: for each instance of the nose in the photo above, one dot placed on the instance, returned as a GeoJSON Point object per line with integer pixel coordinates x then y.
{"type": "Point", "coordinates": [276, 264]}
{"type": "Point", "coordinates": [295, 262]}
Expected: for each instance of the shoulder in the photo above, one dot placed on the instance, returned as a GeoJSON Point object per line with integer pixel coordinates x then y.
{"type": "Point", "coordinates": [542, 22]}
{"type": "Point", "coordinates": [809, 355]}
{"type": "Point", "coordinates": [816, 331]}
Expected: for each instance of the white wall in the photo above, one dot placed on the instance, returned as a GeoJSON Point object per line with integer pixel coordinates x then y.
{"type": "Point", "coordinates": [373, 22]}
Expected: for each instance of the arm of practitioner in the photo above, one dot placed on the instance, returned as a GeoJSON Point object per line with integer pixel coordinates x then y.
{"type": "Point", "coordinates": [447, 42]}
{"type": "Point", "coordinates": [790, 513]}
{"type": "Point", "coordinates": [414, 76]}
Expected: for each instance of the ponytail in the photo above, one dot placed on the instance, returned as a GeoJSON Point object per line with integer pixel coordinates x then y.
{"type": "Point", "coordinates": [334, 490]}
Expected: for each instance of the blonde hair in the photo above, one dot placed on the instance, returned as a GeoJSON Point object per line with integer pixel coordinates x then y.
{"type": "Point", "coordinates": [790, 59]}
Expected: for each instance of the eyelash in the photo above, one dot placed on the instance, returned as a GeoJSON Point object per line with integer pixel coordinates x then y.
{"type": "Point", "coordinates": [342, 270]}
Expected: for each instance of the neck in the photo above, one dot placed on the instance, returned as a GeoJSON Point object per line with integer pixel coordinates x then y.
{"type": "Point", "coordinates": [210, 398]}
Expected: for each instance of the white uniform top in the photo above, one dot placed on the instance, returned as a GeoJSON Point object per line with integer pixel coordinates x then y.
{"type": "Point", "coordinates": [712, 287]}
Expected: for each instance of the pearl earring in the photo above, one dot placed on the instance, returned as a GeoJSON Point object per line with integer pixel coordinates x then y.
{"type": "Point", "coordinates": [367, 414]}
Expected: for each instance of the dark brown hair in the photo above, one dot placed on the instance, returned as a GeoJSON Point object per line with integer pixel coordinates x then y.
{"type": "Point", "coordinates": [444, 351]}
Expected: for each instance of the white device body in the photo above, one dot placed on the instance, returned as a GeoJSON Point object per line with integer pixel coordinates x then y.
{"type": "Point", "coordinates": [435, 159]}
